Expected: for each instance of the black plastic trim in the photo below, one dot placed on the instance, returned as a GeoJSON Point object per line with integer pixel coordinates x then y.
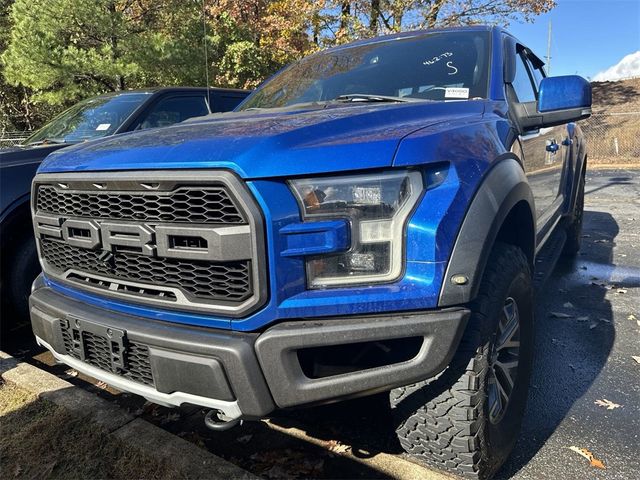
{"type": "Point", "coordinates": [205, 355]}
{"type": "Point", "coordinates": [503, 187]}
{"type": "Point", "coordinates": [277, 352]}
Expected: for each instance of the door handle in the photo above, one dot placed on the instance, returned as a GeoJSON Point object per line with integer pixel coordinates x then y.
{"type": "Point", "coordinates": [552, 146]}
{"type": "Point", "coordinates": [567, 141]}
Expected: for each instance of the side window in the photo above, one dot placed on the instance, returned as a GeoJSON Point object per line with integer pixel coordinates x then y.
{"type": "Point", "coordinates": [522, 82]}
{"type": "Point", "coordinates": [538, 74]}
{"type": "Point", "coordinates": [173, 110]}
{"type": "Point", "coordinates": [224, 103]}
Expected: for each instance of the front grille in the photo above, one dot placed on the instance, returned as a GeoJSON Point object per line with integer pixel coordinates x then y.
{"type": "Point", "coordinates": [97, 353]}
{"type": "Point", "coordinates": [210, 281]}
{"type": "Point", "coordinates": [185, 240]}
{"type": "Point", "coordinates": [187, 205]}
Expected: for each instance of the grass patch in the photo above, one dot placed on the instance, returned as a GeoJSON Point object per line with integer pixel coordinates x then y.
{"type": "Point", "coordinates": [39, 439]}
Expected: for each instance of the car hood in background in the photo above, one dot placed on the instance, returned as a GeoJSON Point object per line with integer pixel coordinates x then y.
{"type": "Point", "coordinates": [261, 144]}
{"type": "Point", "coordinates": [15, 156]}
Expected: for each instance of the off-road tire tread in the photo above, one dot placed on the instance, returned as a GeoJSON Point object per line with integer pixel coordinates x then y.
{"type": "Point", "coordinates": [446, 430]}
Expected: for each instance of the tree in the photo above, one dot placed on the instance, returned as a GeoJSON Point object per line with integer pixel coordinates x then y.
{"type": "Point", "coordinates": [17, 110]}
{"type": "Point", "coordinates": [254, 38]}
{"type": "Point", "coordinates": [347, 20]}
{"type": "Point", "coordinates": [70, 49]}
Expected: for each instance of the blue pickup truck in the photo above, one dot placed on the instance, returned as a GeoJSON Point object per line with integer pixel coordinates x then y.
{"type": "Point", "coordinates": [368, 220]}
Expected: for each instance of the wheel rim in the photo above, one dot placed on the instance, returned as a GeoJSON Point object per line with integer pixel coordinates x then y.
{"type": "Point", "coordinates": [503, 362]}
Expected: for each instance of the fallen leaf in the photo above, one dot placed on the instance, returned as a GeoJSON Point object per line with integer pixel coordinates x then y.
{"type": "Point", "coordinates": [244, 438]}
{"type": "Point", "coordinates": [71, 372]}
{"type": "Point", "coordinates": [337, 447]}
{"type": "Point", "coordinates": [568, 305]}
{"type": "Point", "coordinates": [17, 471]}
{"type": "Point", "coordinates": [171, 417]}
{"type": "Point", "coordinates": [589, 456]}
{"type": "Point", "coordinates": [559, 315]}
{"type": "Point", "coordinates": [632, 317]}
{"type": "Point", "coordinates": [102, 385]}
{"type": "Point", "coordinates": [608, 404]}
{"type": "Point", "coordinates": [637, 359]}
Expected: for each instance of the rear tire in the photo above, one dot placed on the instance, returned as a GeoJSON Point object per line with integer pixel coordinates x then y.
{"type": "Point", "coordinates": [455, 422]}
{"type": "Point", "coordinates": [574, 229]}
{"type": "Point", "coordinates": [20, 268]}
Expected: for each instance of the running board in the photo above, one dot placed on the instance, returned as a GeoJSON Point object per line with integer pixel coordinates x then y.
{"type": "Point", "coordinates": [548, 257]}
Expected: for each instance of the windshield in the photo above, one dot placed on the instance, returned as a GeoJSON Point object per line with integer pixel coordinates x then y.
{"type": "Point", "coordinates": [427, 66]}
{"type": "Point", "coordinates": [90, 119]}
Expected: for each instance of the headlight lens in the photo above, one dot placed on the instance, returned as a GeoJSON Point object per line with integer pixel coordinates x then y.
{"type": "Point", "coordinates": [377, 207]}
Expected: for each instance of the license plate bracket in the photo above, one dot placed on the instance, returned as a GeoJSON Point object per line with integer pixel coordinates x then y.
{"type": "Point", "coordinates": [116, 339]}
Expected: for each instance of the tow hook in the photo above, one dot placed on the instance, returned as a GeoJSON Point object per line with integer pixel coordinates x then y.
{"type": "Point", "coordinates": [218, 421]}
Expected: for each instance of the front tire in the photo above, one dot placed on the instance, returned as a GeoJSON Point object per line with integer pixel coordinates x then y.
{"type": "Point", "coordinates": [467, 419]}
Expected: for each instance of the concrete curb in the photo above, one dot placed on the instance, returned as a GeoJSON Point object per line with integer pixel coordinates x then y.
{"type": "Point", "coordinates": [135, 432]}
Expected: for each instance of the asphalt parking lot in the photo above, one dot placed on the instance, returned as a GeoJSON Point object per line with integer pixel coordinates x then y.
{"type": "Point", "coordinates": [588, 331]}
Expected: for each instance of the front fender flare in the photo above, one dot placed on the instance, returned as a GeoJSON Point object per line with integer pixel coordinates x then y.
{"type": "Point", "coordinates": [502, 188]}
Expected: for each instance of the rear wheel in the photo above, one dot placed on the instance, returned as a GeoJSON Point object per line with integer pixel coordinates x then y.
{"type": "Point", "coordinates": [20, 268]}
{"type": "Point", "coordinates": [466, 420]}
{"type": "Point", "coordinates": [574, 229]}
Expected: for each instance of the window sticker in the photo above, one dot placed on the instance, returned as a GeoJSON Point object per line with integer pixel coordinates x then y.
{"type": "Point", "coordinates": [103, 126]}
{"type": "Point", "coordinates": [456, 92]}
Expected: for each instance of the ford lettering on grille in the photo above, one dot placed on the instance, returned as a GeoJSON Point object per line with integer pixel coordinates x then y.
{"type": "Point", "coordinates": [186, 240]}
{"type": "Point", "coordinates": [225, 244]}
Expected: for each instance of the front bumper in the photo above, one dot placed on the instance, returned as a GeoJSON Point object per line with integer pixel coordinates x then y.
{"type": "Point", "coordinates": [245, 375]}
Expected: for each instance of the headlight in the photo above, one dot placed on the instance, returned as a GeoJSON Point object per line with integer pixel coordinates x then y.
{"type": "Point", "coordinates": [377, 207]}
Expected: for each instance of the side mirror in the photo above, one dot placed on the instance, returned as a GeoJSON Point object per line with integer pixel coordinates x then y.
{"type": "Point", "coordinates": [560, 100]}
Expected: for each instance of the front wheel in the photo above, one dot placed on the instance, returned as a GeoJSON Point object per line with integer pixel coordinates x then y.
{"type": "Point", "coordinates": [466, 420]}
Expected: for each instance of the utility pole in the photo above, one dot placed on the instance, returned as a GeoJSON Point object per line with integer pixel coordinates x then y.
{"type": "Point", "coordinates": [549, 51]}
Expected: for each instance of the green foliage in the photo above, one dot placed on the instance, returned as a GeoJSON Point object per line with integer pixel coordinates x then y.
{"type": "Point", "coordinates": [71, 49]}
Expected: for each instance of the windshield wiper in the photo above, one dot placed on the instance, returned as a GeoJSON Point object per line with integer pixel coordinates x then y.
{"type": "Point", "coordinates": [365, 97]}
{"type": "Point", "coordinates": [46, 141]}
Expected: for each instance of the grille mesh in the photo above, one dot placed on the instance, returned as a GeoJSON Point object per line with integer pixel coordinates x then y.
{"type": "Point", "coordinates": [98, 354]}
{"type": "Point", "coordinates": [183, 205]}
{"type": "Point", "coordinates": [209, 281]}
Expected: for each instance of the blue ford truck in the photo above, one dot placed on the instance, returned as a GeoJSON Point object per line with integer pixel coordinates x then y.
{"type": "Point", "coordinates": [368, 220]}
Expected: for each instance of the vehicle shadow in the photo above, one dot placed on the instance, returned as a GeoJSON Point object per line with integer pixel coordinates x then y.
{"type": "Point", "coordinates": [569, 352]}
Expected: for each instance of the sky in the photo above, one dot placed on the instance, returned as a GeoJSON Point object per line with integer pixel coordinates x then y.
{"type": "Point", "coordinates": [588, 37]}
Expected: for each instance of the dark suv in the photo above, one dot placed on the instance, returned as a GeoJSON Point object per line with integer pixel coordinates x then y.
{"type": "Point", "coordinates": [97, 117]}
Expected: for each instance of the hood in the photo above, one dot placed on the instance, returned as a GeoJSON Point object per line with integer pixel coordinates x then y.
{"type": "Point", "coordinates": [16, 156]}
{"type": "Point", "coordinates": [262, 144]}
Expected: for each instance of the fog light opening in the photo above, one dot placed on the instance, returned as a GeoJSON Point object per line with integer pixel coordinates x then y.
{"type": "Point", "coordinates": [321, 362]}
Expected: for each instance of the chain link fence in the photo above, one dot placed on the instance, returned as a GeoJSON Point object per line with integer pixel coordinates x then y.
{"type": "Point", "coordinates": [11, 139]}
{"type": "Point", "coordinates": [613, 136]}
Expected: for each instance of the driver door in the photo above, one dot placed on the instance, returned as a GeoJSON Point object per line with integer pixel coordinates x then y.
{"type": "Point", "coordinates": [545, 151]}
